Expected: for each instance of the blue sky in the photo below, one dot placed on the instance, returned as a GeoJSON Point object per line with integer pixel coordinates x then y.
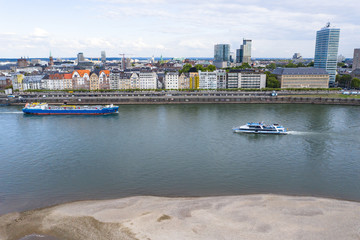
{"type": "Point", "coordinates": [171, 28]}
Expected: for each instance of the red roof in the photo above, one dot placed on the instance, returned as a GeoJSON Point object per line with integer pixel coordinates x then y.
{"type": "Point", "coordinates": [67, 76]}
{"type": "Point", "coordinates": [107, 72]}
{"type": "Point", "coordinates": [82, 72]}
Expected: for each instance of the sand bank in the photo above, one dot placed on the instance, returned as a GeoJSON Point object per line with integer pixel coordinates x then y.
{"type": "Point", "coordinates": [232, 217]}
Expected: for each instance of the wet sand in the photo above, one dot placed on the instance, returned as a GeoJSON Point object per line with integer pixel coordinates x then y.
{"type": "Point", "coordinates": [232, 217]}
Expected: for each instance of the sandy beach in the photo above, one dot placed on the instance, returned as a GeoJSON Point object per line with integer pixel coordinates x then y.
{"type": "Point", "coordinates": [230, 217]}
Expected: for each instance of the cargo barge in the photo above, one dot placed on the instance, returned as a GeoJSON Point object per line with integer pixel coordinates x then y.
{"type": "Point", "coordinates": [45, 109]}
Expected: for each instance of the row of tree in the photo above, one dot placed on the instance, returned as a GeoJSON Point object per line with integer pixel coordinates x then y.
{"type": "Point", "coordinates": [347, 81]}
{"type": "Point", "coordinates": [189, 68]}
{"type": "Point", "coordinates": [290, 64]}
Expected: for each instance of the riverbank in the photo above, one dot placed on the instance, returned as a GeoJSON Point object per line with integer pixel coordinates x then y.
{"type": "Point", "coordinates": [263, 216]}
{"type": "Point", "coordinates": [179, 97]}
{"type": "Point", "coordinates": [187, 100]}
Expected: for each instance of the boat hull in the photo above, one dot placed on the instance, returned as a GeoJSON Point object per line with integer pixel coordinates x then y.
{"type": "Point", "coordinates": [103, 111]}
{"type": "Point", "coordinates": [259, 132]}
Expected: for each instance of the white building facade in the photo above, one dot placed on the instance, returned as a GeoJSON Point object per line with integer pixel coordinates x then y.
{"type": "Point", "coordinates": [251, 80]}
{"type": "Point", "coordinates": [114, 80]}
{"type": "Point", "coordinates": [172, 80]}
{"type": "Point", "coordinates": [207, 80]}
{"type": "Point", "coordinates": [221, 79]}
{"type": "Point", "coordinates": [148, 80]}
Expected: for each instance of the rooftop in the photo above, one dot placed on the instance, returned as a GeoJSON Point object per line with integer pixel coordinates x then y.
{"type": "Point", "coordinates": [300, 71]}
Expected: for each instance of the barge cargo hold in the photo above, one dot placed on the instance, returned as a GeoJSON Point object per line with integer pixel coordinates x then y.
{"type": "Point", "coordinates": [45, 109]}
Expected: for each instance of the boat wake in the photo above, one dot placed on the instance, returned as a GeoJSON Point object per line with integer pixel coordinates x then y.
{"type": "Point", "coordinates": [299, 133]}
{"type": "Point", "coordinates": [11, 112]}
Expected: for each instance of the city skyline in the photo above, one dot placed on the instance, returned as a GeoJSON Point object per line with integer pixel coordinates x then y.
{"type": "Point", "coordinates": [159, 27]}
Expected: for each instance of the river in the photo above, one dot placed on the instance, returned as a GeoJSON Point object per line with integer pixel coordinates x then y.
{"type": "Point", "coordinates": [178, 150]}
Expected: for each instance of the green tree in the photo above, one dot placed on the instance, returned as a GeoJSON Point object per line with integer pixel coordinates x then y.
{"type": "Point", "coordinates": [300, 65]}
{"type": "Point", "coordinates": [337, 78]}
{"type": "Point", "coordinates": [269, 74]}
{"type": "Point", "coordinates": [199, 67]}
{"type": "Point", "coordinates": [290, 65]}
{"type": "Point", "coordinates": [340, 64]}
{"type": "Point", "coordinates": [271, 66]}
{"type": "Point", "coordinates": [355, 83]}
{"type": "Point", "coordinates": [245, 65]}
{"type": "Point", "coordinates": [345, 80]}
{"type": "Point", "coordinates": [272, 82]}
{"type": "Point", "coordinates": [186, 68]}
{"type": "Point", "coordinates": [211, 68]}
{"type": "Point", "coordinates": [311, 64]}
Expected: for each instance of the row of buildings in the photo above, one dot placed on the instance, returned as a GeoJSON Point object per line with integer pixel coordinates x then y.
{"type": "Point", "coordinates": [122, 80]}
{"type": "Point", "coordinates": [116, 79]}
{"type": "Point", "coordinates": [326, 52]}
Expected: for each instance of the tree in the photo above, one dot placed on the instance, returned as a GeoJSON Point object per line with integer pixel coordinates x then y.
{"type": "Point", "coordinates": [345, 80]}
{"type": "Point", "coordinates": [311, 64]}
{"type": "Point", "coordinates": [290, 65]}
{"type": "Point", "coordinates": [337, 78]}
{"type": "Point", "coordinates": [355, 83]}
{"type": "Point", "coordinates": [272, 82]}
{"type": "Point", "coordinates": [211, 68]}
{"type": "Point", "coordinates": [199, 67]}
{"type": "Point", "coordinates": [271, 66]}
{"type": "Point", "coordinates": [269, 74]}
{"type": "Point", "coordinates": [186, 68]}
{"type": "Point", "coordinates": [245, 65]}
{"type": "Point", "coordinates": [300, 65]}
{"type": "Point", "coordinates": [340, 64]}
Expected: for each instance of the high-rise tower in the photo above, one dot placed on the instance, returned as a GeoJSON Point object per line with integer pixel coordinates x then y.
{"type": "Point", "coordinates": [243, 55]}
{"type": "Point", "coordinates": [103, 56]}
{"type": "Point", "coordinates": [80, 57]}
{"type": "Point", "coordinates": [222, 52]}
{"type": "Point", "coordinates": [326, 50]}
{"type": "Point", "coordinates": [356, 59]}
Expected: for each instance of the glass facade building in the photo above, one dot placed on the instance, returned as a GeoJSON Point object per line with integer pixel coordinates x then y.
{"type": "Point", "coordinates": [326, 51]}
{"type": "Point", "coordinates": [243, 55]}
{"type": "Point", "coordinates": [222, 52]}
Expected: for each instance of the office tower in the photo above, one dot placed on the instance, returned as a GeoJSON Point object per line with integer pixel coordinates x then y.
{"type": "Point", "coordinates": [222, 53]}
{"type": "Point", "coordinates": [356, 59]}
{"type": "Point", "coordinates": [297, 56]}
{"type": "Point", "coordinates": [80, 57]}
{"type": "Point", "coordinates": [103, 56]}
{"type": "Point", "coordinates": [326, 50]}
{"type": "Point", "coordinates": [243, 55]}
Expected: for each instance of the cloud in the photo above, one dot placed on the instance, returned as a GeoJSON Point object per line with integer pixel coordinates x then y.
{"type": "Point", "coordinates": [131, 1]}
{"type": "Point", "coordinates": [187, 28]}
{"type": "Point", "coordinates": [194, 44]}
{"type": "Point", "coordinates": [39, 33]}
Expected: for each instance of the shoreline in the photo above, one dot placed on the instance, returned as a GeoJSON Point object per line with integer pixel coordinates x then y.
{"type": "Point", "coordinates": [256, 216]}
{"type": "Point", "coordinates": [198, 100]}
{"type": "Point", "coordinates": [179, 97]}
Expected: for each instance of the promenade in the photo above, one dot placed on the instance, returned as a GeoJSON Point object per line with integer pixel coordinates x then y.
{"type": "Point", "coordinates": [175, 97]}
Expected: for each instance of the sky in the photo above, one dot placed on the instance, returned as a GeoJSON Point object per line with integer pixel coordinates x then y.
{"type": "Point", "coordinates": [186, 28]}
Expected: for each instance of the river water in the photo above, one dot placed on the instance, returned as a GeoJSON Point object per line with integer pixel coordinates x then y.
{"type": "Point", "coordinates": [178, 150]}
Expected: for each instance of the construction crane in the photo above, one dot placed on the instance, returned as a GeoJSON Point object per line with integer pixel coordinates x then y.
{"type": "Point", "coordinates": [123, 65]}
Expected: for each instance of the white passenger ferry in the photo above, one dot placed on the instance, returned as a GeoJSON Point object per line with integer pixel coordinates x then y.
{"type": "Point", "coordinates": [261, 128]}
